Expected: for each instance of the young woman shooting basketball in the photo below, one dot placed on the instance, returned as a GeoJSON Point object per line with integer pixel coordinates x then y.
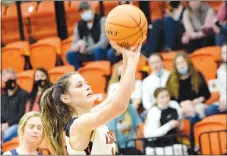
{"type": "Point", "coordinates": [67, 107]}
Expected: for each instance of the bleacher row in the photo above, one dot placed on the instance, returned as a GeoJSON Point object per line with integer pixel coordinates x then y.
{"type": "Point", "coordinates": [39, 20]}
{"type": "Point", "coordinates": [48, 52]}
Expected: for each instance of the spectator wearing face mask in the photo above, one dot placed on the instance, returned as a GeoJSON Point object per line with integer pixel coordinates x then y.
{"type": "Point", "coordinates": [40, 84]}
{"type": "Point", "coordinates": [156, 79]}
{"type": "Point", "coordinates": [13, 105]}
{"type": "Point", "coordinates": [90, 40]}
{"type": "Point", "coordinates": [188, 87]}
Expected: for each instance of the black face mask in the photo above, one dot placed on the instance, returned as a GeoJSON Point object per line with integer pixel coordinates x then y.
{"type": "Point", "coordinates": [11, 84]}
{"type": "Point", "coordinates": [174, 4]}
{"type": "Point", "coordinates": [40, 83]}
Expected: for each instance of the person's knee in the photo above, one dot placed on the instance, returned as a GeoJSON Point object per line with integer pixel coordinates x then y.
{"type": "Point", "coordinates": [212, 109]}
{"type": "Point", "coordinates": [98, 53]}
{"type": "Point", "coordinates": [10, 133]}
{"type": "Point", "coordinates": [109, 53]}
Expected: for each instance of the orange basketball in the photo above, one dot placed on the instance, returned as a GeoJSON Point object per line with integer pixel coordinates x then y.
{"type": "Point", "coordinates": [126, 25]}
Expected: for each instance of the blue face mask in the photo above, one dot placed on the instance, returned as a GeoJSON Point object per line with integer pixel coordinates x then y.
{"type": "Point", "coordinates": [183, 71]}
{"type": "Point", "coordinates": [159, 74]}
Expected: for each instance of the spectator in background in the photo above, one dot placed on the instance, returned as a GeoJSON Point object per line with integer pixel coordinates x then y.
{"type": "Point", "coordinates": [188, 86]}
{"type": "Point", "coordinates": [13, 105]}
{"type": "Point", "coordinates": [41, 82]}
{"type": "Point", "coordinates": [166, 33]}
{"type": "Point", "coordinates": [30, 133]}
{"type": "Point", "coordinates": [199, 22]}
{"type": "Point", "coordinates": [124, 127]}
{"type": "Point", "coordinates": [90, 40]}
{"type": "Point", "coordinates": [164, 118]}
{"type": "Point", "coordinates": [156, 79]}
{"type": "Point", "coordinates": [221, 37]}
{"type": "Point", "coordinates": [222, 78]}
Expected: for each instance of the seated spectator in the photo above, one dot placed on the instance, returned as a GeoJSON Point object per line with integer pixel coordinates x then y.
{"type": "Point", "coordinates": [221, 79]}
{"type": "Point", "coordinates": [90, 40]}
{"type": "Point", "coordinates": [164, 118]}
{"type": "Point", "coordinates": [199, 22]}
{"type": "Point", "coordinates": [188, 86]}
{"type": "Point", "coordinates": [156, 79]}
{"type": "Point", "coordinates": [30, 133]}
{"type": "Point", "coordinates": [115, 82]}
{"type": "Point", "coordinates": [221, 37]}
{"type": "Point", "coordinates": [124, 127]}
{"type": "Point", "coordinates": [166, 33]}
{"type": "Point", "coordinates": [40, 84]}
{"type": "Point", "coordinates": [13, 105]}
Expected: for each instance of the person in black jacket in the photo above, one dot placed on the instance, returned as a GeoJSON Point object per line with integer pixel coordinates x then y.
{"type": "Point", "coordinates": [90, 40]}
{"type": "Point", "coordinates": [13, 105]}
{"type": "Point", "coordinates": [40, 84]}
{"type": "Point", "coordinates": [188, 87]}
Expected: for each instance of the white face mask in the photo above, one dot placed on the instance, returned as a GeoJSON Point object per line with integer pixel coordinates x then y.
{"type": "Point", "coordinates": [89, 25]}
{"type": "Point", "coordinates": [87, 15]}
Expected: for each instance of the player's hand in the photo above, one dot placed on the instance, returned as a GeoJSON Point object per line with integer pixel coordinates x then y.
{"type": "Point", "coordinates": [132, 53]}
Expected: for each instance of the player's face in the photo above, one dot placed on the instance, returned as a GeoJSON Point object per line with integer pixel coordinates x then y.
{"type": "Point", "coordinates": [163, 99]}
{"type": "Point", "coordinates": [33, 130]}
{"type": "Point", "coordinates": [156, 63]}
{"type": "Point", "coordinates": [80, 92]}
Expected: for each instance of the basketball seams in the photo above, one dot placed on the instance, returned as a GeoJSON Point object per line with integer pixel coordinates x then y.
{"type": "Point", "coordinates": [141, 32]}
{"type": "Point", "coordinates": [134, 38]}
{"type": "Point", "coordinates": [138, 25]}
{"type": "Point", "coordinates": [140, 29]}
{"type": "Point", "coordinates": [119, 25]}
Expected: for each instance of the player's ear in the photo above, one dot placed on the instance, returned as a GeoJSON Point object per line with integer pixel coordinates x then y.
{"type": "Point", "coordinates": [65, 98]}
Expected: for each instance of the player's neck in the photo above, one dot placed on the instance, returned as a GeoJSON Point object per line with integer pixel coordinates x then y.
{"type": "Point", "coordinates": [79, 112]}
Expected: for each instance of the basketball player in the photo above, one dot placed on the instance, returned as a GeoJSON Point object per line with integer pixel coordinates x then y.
{"type": "Point", "coordinates": [67, 106]}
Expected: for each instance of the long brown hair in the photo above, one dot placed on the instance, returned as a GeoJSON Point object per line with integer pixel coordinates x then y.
{"type": "Point", "coordinates": [55, 114]}
{"type": "Point", "coordinates": [173, 82]}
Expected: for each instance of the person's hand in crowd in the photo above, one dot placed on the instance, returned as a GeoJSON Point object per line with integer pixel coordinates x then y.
{"type": "Point", "coordinates": [136, 103]}
{"type": "Point", "coordinates": [185, 38]}
{"type": "Point", "coordinates": [223, 105]}
{"type": "Point", "coordinates": [181, 125]}
{"type": "Point", "coordinates": [174, 123]}
{"type": "Point", "coordinates": [81, 46]}
{"type": "Point", "coordinates": [188, 108]}
{"type": "Point", "coordinates": [198, 100]}
{"type": "Point", "coordinates": [5, 126]}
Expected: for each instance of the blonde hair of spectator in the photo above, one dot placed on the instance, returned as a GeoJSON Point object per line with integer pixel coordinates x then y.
{"type": "Point", "coordinates": [23, 122]}
{"type": "Point", "coordinates": [173, 82]}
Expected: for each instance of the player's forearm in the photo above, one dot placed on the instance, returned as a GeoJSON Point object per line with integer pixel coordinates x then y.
{"type": "Point", "coordinates": [127, 85]}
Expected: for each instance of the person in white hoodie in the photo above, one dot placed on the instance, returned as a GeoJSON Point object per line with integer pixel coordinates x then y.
{"type": "Point", "coordinates": [164, 118]}
{"type": "Point", "coordinates": [221, 79]}
{"type": "Point", "coordinates": [156, 79]}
